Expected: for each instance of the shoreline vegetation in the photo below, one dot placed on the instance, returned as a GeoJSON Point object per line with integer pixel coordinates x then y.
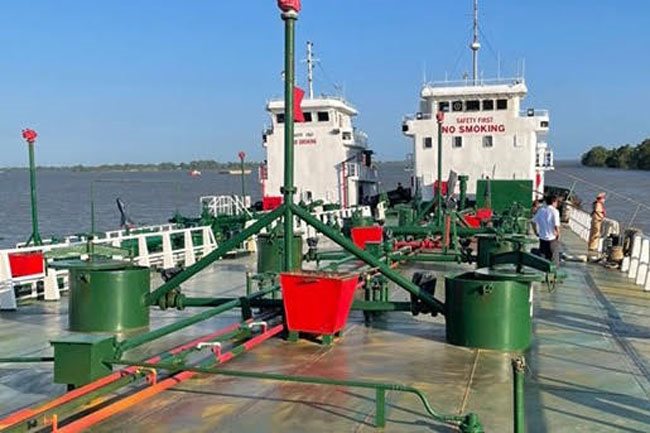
{"type": "Point", "coordinates": [627, 157]}
{"type": "Point", "coordinates": [200, 165]}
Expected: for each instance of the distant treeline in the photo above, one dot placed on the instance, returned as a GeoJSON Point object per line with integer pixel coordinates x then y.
{"type": "Point", "coordinates": [201, 165]}
{"type": "Point", "coordinates": [628, 156]}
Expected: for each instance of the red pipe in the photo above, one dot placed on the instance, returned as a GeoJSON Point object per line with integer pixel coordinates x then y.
{"type": "Point", "coordinates": [110, 410]}
{"type": "Point", "coordinates": [27, 413]}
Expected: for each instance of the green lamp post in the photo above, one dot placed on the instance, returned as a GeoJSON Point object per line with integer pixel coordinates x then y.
{"type": "Point", "coordinates": [440, 117]}
{"type": "Point", "coordinates": [30, 137]}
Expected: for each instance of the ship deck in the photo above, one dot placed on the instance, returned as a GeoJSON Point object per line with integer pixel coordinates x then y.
{"type": "Point", "coordinates": [589, 367]}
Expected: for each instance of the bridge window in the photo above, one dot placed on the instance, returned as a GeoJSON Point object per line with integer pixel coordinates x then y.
{"type": "Point", "coordinates": [544, 123]}
{"type": "Point", "coordinates": [443, 106]}
{"type": "Point", "coordinates": [473, 105]}
{"type": "Point", "coordinates": [457, 106]}
{"type": "Point", "coordinates": [323, 116]}
{"type": "Point", "coordinates": [457, 142]}
{"type": "Point", "coordinates": [308, 117]}
{"type": "Point", "coordinates": [488, 104]}
{"type": "Point", "coordinates": [502, 104]}
{"type": "Point", "coordinates": [428, 142]}
{"type": "Point", "coordinates": [347, 135]}
{"type": "Point", "coordinates": [280, 117]}
{"type": "Point", "coordinates": [488, 141]}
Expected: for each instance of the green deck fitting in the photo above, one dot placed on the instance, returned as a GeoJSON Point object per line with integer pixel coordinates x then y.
{"type": "Point", "coordinates": [78, 359]}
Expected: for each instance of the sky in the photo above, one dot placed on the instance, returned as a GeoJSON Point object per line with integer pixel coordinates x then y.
{"type": "Point", "coordinates": [115, 81]}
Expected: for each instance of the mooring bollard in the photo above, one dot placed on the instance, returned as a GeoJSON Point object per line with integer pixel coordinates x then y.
{"type": "Point", "coordinates": [519, 370]}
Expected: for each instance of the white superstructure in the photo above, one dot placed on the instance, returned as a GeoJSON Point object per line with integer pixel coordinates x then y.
{"type": "Point", "coordinates": [486, 132]}
{"type": "Point", "coordinates": [332, 160]}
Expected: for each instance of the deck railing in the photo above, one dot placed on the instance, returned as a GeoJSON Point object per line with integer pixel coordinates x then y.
{"type": "Point", "coordinates": [636, 264]}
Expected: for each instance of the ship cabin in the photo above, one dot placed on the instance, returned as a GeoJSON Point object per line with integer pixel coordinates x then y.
{"type": "Point", "coordinates": [485, 134]}
{"type": "Point", "coordinates": [332, 160]}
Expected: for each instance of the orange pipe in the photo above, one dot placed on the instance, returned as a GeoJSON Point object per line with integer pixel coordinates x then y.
{"type": "Point", "coordinates": [84, 423]}
{"type": "Point", "coordinates": [27, 413]}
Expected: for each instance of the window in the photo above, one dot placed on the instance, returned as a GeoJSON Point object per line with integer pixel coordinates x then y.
{"type": "Point", "coordinates": [428, 142]}
{"type": "Point", "coordinates": [487, 141]}
{"type": "Point", "coordinates": [347, 135]}
{"type": "Point", "coordinates": [502, 104]}
{"type": "Point", "coordinates": [457, 106]}
{"type": "Point", "coordinates": [351, 169]}
{"type": "Point", "coordinates": [544, 123]}
{"type": "Point", "coordinates": [488, 104]}
{"type": "Point", "coordinates": [443, 106]}
{"type": "Point", "coordinates": [473, 105]}
{"type": "Point", "coordinates": [457, 142]}
{"type": "Point", "coordinates": [323, 116]}
{"type": "Point", "coordinates": [307, 117]}
{"type": "Point", "coordinates": [280, 118]}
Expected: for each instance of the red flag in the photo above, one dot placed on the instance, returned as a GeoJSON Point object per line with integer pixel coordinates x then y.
{"type": "Point", "coordinates": [298, 94]}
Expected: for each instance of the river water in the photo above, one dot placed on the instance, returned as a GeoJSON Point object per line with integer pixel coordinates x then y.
{"type": "Point", "coordinates": [152, 198]}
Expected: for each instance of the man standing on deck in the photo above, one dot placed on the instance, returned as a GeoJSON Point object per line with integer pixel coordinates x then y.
{"type": "Point", "coordinates": [546, 224]}
{"type": "Point", "coordinates": [598, 214]}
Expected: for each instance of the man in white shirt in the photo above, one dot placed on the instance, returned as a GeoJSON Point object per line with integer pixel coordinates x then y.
{"type": "Point", "coordinates": [546, 224]}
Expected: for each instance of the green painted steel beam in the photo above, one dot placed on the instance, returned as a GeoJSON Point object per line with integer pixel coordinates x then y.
{"type": "Point", "coordinates": [373, 261]}
{"type": "Point", "coordinates": [215, 255]}
{"type": "Point", "coordinates": [451, 257]}
{"type": "Point", "coordinates": [434, 229]}
{"type": "Point", "coordinates": [379, 306]}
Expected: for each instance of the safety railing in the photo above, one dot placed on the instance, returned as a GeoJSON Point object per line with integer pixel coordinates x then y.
{"type": "Point", "coordinates": [226, 205]}
{"type": "Point", "coordinates": [636, 264]}
{"type": "Point", "coordinates": [163, 247]}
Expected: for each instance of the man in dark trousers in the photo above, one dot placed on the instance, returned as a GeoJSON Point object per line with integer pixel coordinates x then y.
{"type": "Point", "coordinates": [546, 224]}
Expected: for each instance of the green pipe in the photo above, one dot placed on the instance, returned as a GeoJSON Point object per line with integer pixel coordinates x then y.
{"type": "Point", "coordinates": [215, 255]}
{"type": "Point", "coordinates": [289, 18]}
{"type": "Point", "coordinates": [141, 339]}
{"type": "Point", "coordinates": [439, 190]}
{"type": "Point", "coordinates": [519, 371]}
{"type": "Point", "coordinates": [431, 258]}
{"type": "Point", "coordinates": [27, 359]}
{"type": "Point", "coordinates": [435, 230]}
{"type": "Point", "coordinates": [332, 255]}
{"type": "Point", "coordinates": [459, 420]}
{"type": "Point", "coordinates": [36, 236]}
{"type": "Point", "coordinates": [384, 268]}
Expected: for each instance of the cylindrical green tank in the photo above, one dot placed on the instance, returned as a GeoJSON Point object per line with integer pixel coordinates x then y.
{"type": "Point", "coordinates": [490, 244]}
{"type": "Point", "coordinates": [108, 297]}
{"type": "Point", "coordinates": [270, 252]}
{"type": "Point", "coordinates": [488, 312]}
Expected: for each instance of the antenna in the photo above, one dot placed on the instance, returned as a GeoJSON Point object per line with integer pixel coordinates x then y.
{"type": "Point", "coordinates": [475, 45]}
{"type": "Point", "coordinates": [310, 68]}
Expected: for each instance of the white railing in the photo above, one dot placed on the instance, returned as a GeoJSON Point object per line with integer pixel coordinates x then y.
{"type": "Point", "coordinates": [226, 205]}
{"type": "Point", "coordinates": [326, 217]}
{"type": "Point", "coordinates": [169, 256]}
{"type": "Point", "coordinates": [636, 265]}
{"type": "Point", "coordinates": [479, 82]}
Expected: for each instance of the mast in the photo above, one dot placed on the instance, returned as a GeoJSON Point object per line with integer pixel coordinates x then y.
{"type": "Point", "coordinates": [475, 46]}
{"type": "Point", "coordinates": [310, 68]}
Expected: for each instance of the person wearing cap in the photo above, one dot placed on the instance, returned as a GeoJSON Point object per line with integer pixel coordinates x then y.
{"type": "Point", "coordinates": [598, 214]}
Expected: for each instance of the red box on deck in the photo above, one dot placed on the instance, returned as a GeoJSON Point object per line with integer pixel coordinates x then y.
{"type": "Point", "coordinates": [444, 187]}
{"type": "Point", "coordinates": [24, 264]}
{"type": "Point", "coordinates": [317, 303]}
{"type": "Point", "coordinates": [270, 202]}
{"type": "Point", "coordinates": [363, 235]}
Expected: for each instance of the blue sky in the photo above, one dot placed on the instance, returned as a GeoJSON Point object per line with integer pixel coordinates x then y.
{"type": "Point", "coordinates": [176, 80]}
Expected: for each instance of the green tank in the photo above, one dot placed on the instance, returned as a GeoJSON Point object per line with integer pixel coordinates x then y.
{"type": "Point", "coordinates": [107, 296]}
{"type": "Point", "coordinates": [270, 252]}
{"type": "Point", "coordinates": [489, 311]}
